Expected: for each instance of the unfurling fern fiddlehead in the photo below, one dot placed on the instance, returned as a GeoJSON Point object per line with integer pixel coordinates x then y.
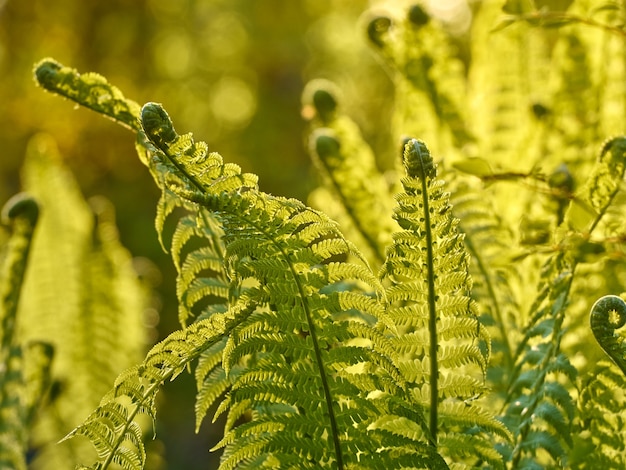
{"type": "Point", "coordinates": [607, 315]}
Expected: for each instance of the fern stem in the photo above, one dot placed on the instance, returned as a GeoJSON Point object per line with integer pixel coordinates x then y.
{"type": "Point", "coordinates": [423, 171]}
{"type": "Point", "coordinates": [320, 365]}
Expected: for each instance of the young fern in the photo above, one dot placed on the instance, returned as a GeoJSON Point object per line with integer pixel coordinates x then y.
{"type": "Point", "coordinates": [287, 325]}
{"type": "Point", "coordinates": [24, 368]}
{"type": "Point", "coordinates": [541, 408]}
{"type": "Point", "coordinates": [443, 348]}
{"type": "Point", "coordinates": [428, 76]}
{"type": "Point", "coordinates": [349, 171]}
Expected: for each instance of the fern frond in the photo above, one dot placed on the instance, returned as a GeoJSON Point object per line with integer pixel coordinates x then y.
{"type": "Point", "coordinates": [349, 170]}
{"type": "Point", "coordinates": [540, 360]}
{"type": "Point", "coordinates": [599, 438]}
{"type": "Point", "coordinates": [113, 425]}
{"type": "Point", "coordinates": [428, 267]}
{"type": "Point", "coordinates": [24, 368]}
{"type": "Point", "coordinates": [21, 213]}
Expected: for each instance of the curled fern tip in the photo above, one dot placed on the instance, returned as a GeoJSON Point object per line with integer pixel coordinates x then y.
{"type": "Point", "coordinates": [157, 124]}
{"type": "Point", "coordinates": [377, 28]}
{"type": "Point", "coordinates": [45, 72]}
{"type": "Point", "coordinates": [326, 144]}
{"type": "Point", "coordinates": [417, 159]}
{"type": "Point", "coordinates": [21, 205]}
{"type": "Point", "coordinates": [607, 315]}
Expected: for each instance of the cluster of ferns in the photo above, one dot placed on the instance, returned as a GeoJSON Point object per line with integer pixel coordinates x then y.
{"type": "Point", "coordinates": [405, 322]}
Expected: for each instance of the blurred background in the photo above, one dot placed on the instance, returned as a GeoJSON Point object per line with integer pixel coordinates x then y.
{"type": "Point", "coordinates": [231, 71]}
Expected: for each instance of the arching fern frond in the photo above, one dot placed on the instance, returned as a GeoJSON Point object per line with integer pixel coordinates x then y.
{"type": "Point", "coordinates": [444, 348]}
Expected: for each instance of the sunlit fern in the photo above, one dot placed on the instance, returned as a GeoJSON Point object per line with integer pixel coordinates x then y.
{"type": "Point", "coordinates": [311, 358]}
{"type": "Point", "coordinates": [82, 295]}
{"type": "Point", "coordinates": [541, 407]}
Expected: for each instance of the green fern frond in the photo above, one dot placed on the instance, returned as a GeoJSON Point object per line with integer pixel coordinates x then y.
{"type": "Point", "coordinates": [540, 360]}
{"type": "Point", "coordinates": [599, 438]}
{"type": "Point", "coordinates": [24, 368]}
{"type": "Point", "coordinates": [349, 169]}
{"type": "Point", "coordinates": [428, 268]}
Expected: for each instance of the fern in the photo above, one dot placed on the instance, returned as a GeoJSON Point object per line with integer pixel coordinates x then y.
{"type": "Point", "coordinates": [443, 348]}
{"type": "Point", "coordinates": [24, 368]}
{"type": "Point", "coordinates": [599, 436]}
{"type": "Point", "coordinates": [287, 322]}
{"type": "Point", "coordinates": [316, 361]}
{"type": "Point", "coordinates": [428, 76]}
{"type": "Point", "coordinates": [536, 396]}
{"type": "Point", "coordinates": [349, 169]}
{"type": "Point", "coordinates": [81, 295]}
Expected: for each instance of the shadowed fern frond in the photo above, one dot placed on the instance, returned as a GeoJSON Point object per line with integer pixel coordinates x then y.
{"type": "Point", "coordinates": [24, 368]}
{"type": "Point", "coordinates": [599, 436]}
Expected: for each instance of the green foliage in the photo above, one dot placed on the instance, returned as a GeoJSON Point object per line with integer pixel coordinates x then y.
{"type": "Point", "coordinates": [80, 297]}
{"type": "Point", "coordinates": [24, 367]}
{"type": "Point", "coordinates": [367, 342]}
